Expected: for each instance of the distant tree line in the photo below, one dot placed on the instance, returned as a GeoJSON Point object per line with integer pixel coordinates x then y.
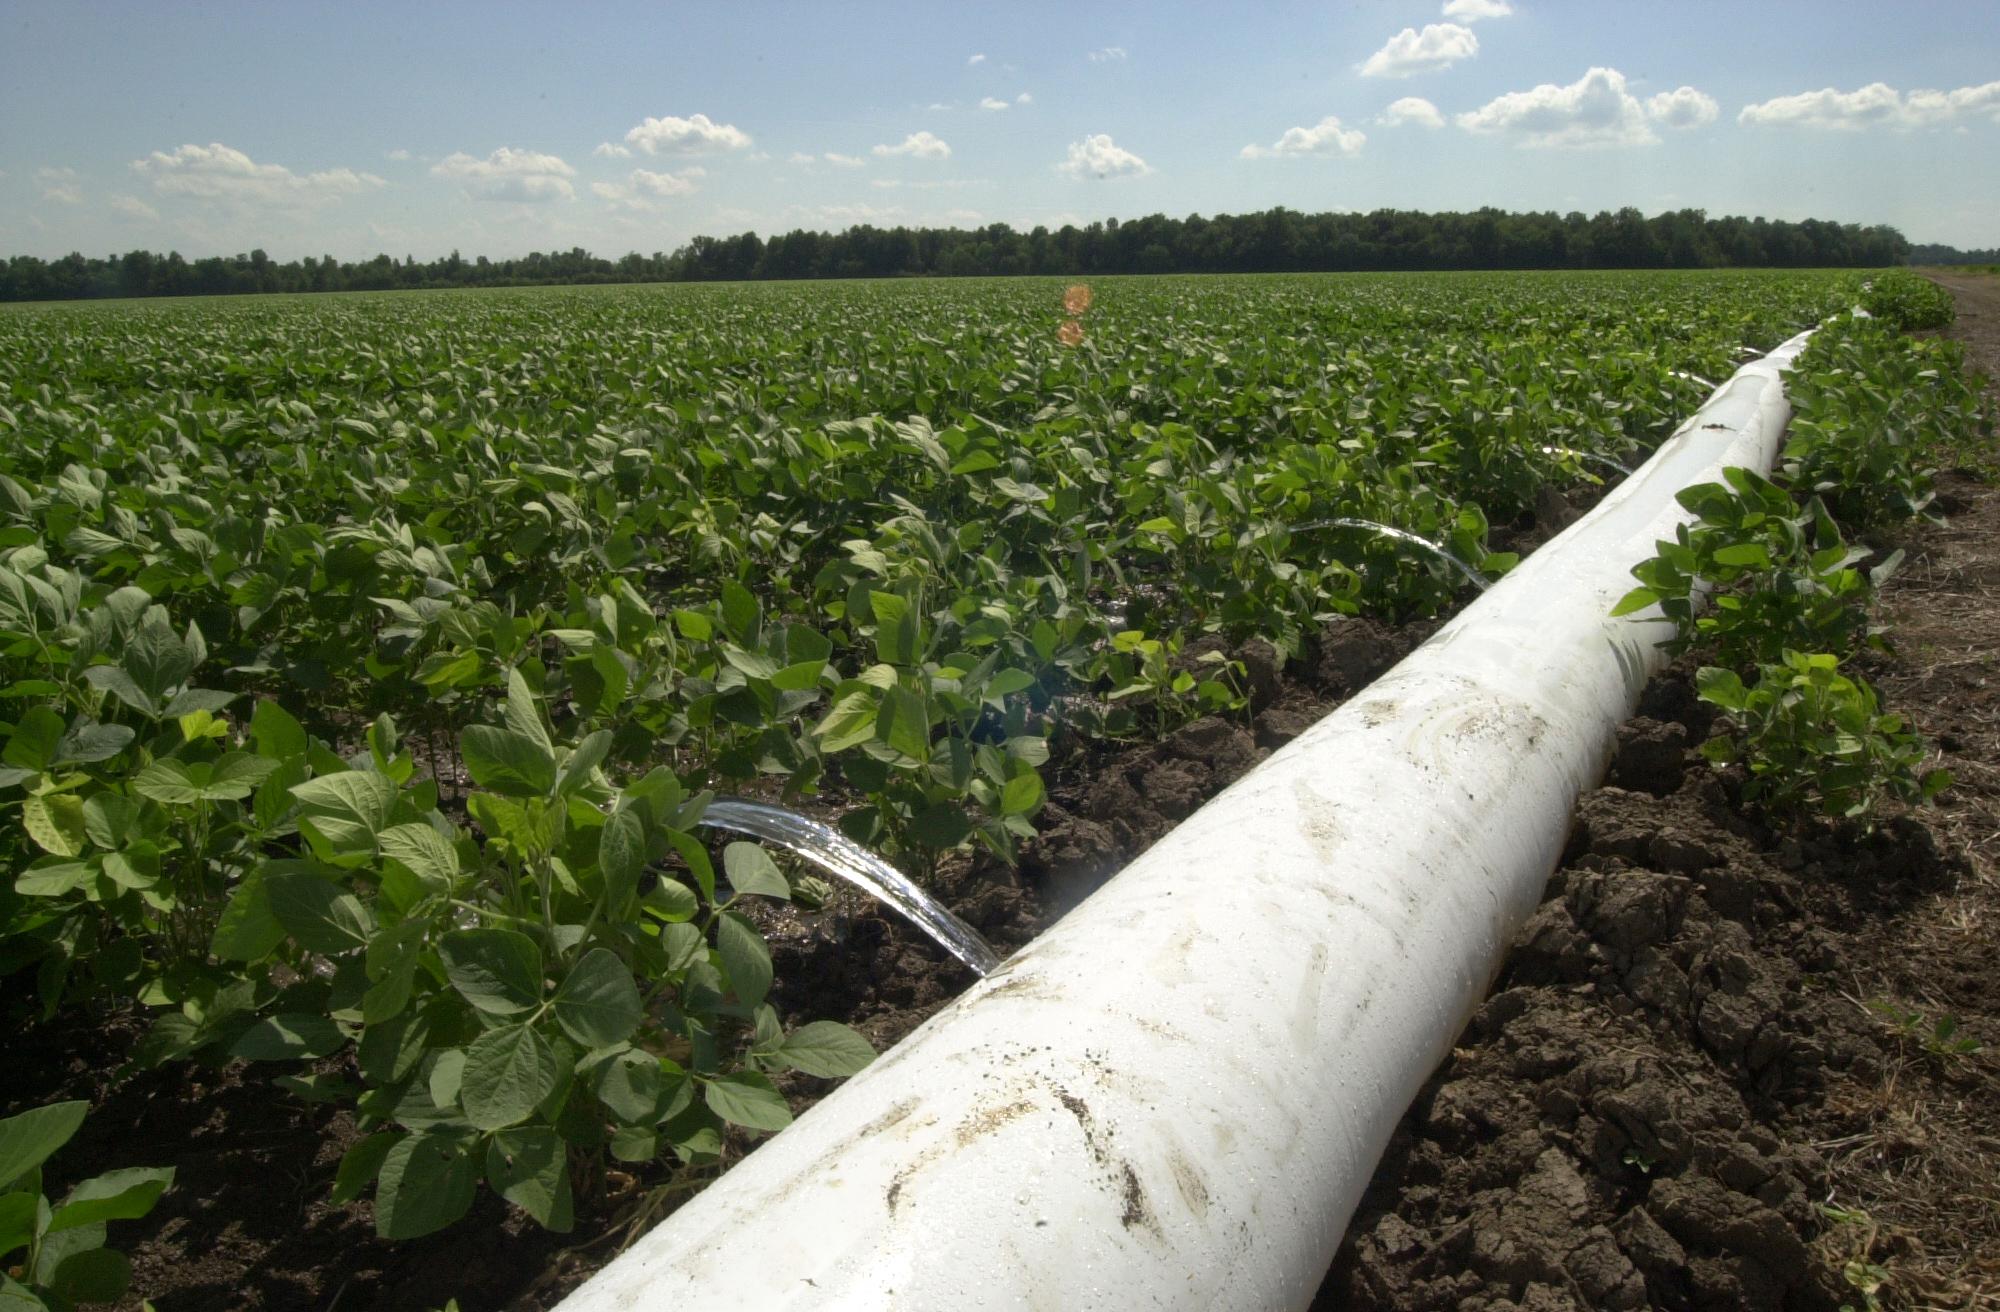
{"type": "Point", "coordinates": [1273, 241]}
{"type": "Point", "coordinates": [1932, 253]}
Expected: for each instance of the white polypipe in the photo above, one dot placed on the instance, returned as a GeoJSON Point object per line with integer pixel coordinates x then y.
{"type": "Point", "coordinates": [1174, 1098]}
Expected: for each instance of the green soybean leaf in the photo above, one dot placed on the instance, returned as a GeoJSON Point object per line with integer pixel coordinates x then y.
{"type": "Point", "coordinates": [1722, 687]}
{"type": "Point", "coordinates": [347, 809]}
{"type": "Point", "coordinates": [621, 853]}
{"type": "Point", "coordinates": [291, 1036]}
{"type": "Point", "coordinates": [86, 744]}
{"type": "Point", "coordinates": [426, 1183]}
{"type": "Point", "coordinates": [321, 915]}
{"type": "Point", "coordinates": [111, 821]}
{"type": "Point", "coordinates": [747, 1099]}
{"type": "Point", "coordinates": [895, 628]}
{"type": "Point", "coordinates": [745, 957]}
{"type": "Point", "coordinates": [52, 877]}
{"type": "Point", "coordinates": [903, 725]}
{"type": "Point", "coordinates": [630, 1085]}
{"type": "Point", "coordinates": [237, 776]}
{"type": "Point", "coordinates": [826, 1048]}
{"type": "Point", "coordinates": [1636, 599]}
{"type": "Point", "coordinates": [424, 852]}
{"type": "Point", "coordinates": [277, 734]}
{"type": "Point", "coordinates": [941, 825]}
{"type": "Point", "coordinates": [695, 853]}
{"type": "Point", "coordinates": [27, 1139]}
{"type": "Point", "coordinates": [507, 1072]}
{"type": "Point", "coordinates": [522, 712]}
{"type": "Point", "coordinates": [529, 1168]}
{"type": "Point", "coordinates": [507, 762]}
{"type": "Point", "coordinates": [1753, 554]}
{"type": "Point", "coordinates": [91, 1275]}
{"type": "Point", "coordinates": [850, 723]}
{"type": "Point", "coordinates": [672, 901]}
{"type": "Point", "coordinates": [248, 929]}
{"type": "Point", "coordinates": [36, 736]}
{"type": "Point", "coordinates": [114, 1196]}
{"type": "Point", "coordinates": [588, 755]}
{"type": "Point", "coordinates": [171, 783]}
{"type": "Point", "coordinates": [1021, 795]}
{"type": "Point", "coordinates": [1005, 683]}
{"type": "Point", "coordinates": [18, 1214]}
{"type": "Point", "coordinates": [740, 612]}
{"type": "Point", "coordinates": [360, 1165]}
{"type": "Point", "coordinates": [751, 870]}
{"type": "Point", "coordinates": [499, 971]}
{"type": "Point", "coordinates": [598, 1003]}
{"type": "Point", "coordinates": [55, 822]}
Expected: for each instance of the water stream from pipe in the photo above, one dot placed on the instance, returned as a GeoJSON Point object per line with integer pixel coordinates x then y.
{"type": "Point", "coordinates": [1594, 457]}
{"type": "Point", "coordinates": [1471, 575]}
{"type": "Point", "coordinates": [839, 855]}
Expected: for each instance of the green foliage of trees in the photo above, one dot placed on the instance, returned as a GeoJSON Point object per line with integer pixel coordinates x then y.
{"type": "Point", "coordinates": [1272, 241]}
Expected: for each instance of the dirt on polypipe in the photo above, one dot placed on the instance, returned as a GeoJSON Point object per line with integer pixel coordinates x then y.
{"type": "Point", "coordinates": [1729, 1063]}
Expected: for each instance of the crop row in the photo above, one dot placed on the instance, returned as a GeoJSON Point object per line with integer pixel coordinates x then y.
{"type": "Point", "coordinates": [1793, 601]}
{"type": "Point", "coordinates": [368, 663]}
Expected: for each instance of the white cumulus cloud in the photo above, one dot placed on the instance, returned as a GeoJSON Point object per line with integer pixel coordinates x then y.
{"type": "Point", "coordinates": [1411, 109]}
{"type": "Point", "coordinates": [221, 173]}
{"type": "Point", "coordinates": [1438, 46]}
{"type": "Point", "coordinates": [399, 155]}
{"type": "Point", "coordinates": [686, 136]}
{"type": "Point", "coordinates": [806, 159]}
{"type": "Point", "coordinates": [643, 186]}
{"type": "Point", "coordinates": [1876, 105]}
{"type": "Point", "coordinates": [1683, 107]}
{"type": "Point", "coordinates": [971, 60]}
{"type": "Point", "coordinates": [1024, 99]}
{"type": "Point", "coordinates": [918, 145]}
{"type": "Point", "coordinates": [1108, 55]}
{"type": "Point", "coordinates": [928, 184]}
{"type": "Point", "coordinates": [667, 184]}
{"type": "Point", "coordinates": [1098, 156]}
{"type": "Point", "coordinates": [992, 102]}
{"type": "Point", "coordinates": [611, 150]}
{"type": "Point", "coordinates": [509, 174]}
{"type": "Point", "coordinates": [1595, 110]}
{"type": "Point", "coordinates": [842, 216]}
{"type": "Point", "coordinates": [1324, 138]}
{"type": "Point", "coordinates": [1472, 11]}
{"type": "Point", "coordinates": [59, 185]}
{"type": "Point", "coordinates": [131, 207]}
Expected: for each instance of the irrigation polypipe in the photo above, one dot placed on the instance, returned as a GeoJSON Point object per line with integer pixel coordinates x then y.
{"type": "Point", "coordinates": [1175, 1097]}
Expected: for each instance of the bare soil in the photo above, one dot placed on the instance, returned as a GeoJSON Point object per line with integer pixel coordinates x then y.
{"type": "Point", "coordinates": [1693, 1052]}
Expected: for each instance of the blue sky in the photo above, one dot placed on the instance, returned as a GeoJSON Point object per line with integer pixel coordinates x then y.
{"type": "Point", "coordinates": [494, 129]}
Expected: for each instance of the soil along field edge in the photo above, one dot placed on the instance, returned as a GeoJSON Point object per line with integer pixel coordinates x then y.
{"type": "Point", "coordinates": [1176, 1096]}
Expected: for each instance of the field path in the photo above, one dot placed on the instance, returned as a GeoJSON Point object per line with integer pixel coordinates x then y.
{"type": "Point", "coordinates": [1978, 326]}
